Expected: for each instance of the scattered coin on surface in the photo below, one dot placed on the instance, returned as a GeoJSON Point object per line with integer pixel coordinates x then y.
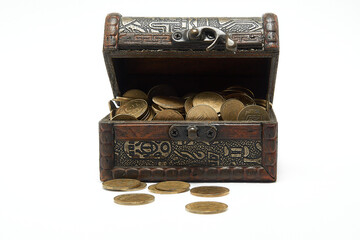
{"type": "Point", "coordinates": [172, 185]}
{"type": "Point", "coordinates": [153, 189]}
{"type": "Point", "coordinates": [134, 199]}
{"type": "Point", "coordinates": [121, 184]}
{"type": "Point", "coordinates": [140, 187]}
{"type": "Point", "coordinates": [206, 207]}
{"type": "Point", "coordinates": [209, 191]}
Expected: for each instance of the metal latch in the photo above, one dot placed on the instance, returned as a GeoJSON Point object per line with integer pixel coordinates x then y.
{"type": "Point", "coordinates": [203, 132]}
{"type": "Point", "coordinates": [205, 34]}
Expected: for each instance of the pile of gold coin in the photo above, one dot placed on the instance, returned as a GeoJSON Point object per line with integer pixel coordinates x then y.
{"type": "Point", "coordinates": [168, 187]}
{"type": "Point", "coordinates": [235, 103]}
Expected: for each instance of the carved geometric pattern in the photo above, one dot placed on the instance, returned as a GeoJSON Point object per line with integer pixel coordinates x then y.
{"type": "Point", "coordinates": [170, 25]}
{"type": "Point", "coordinates": [238, 152]}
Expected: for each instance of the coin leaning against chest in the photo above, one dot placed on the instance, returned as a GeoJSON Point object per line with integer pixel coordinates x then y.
{"type": "Point", "coordinates": [134, 199]}
{"type": "Point", "coordinates": [212, 99]}
{"type": "Point", "coordinates": [202, 113]}
{"type": "Point", "coordinates": [206, 207]}
{"type": "Point", "coordinates": [135, 107]}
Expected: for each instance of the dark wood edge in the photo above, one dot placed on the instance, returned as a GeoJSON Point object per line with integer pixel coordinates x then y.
{"type": "Point", "coordinates": [271, 32]}
{"type": "Point", "coordinates": [111, 34]}
{"type": "Point", "coordinates": [269, 151]}
{"type": "Point", "coordinates": [160, 131]}
{"type": "Point", "coordinates": [106, 145]}
{"type": "Point", "coordinates": [190, 174]}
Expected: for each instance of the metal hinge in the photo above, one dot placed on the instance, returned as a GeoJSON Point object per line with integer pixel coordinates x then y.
{"type": "Point", "coordinates": [205, 34]}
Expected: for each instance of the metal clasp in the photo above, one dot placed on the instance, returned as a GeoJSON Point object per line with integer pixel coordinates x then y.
{"type": "Point", "coordinates": [205, 34]}
{"type": "Point", "coordinates": [201, 132]}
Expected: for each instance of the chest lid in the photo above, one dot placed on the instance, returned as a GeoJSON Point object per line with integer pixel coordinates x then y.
{"type": "Point", "coordinates": [192, 54]}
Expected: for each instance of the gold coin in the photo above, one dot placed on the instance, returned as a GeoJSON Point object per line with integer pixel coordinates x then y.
{"type": "Point", "coordinates": [169, 102]}
{"type": "Point", "coordinates": [151, 116]}
{"type": "Point", "coordinates": [209, 191]}
{"type": "Point", "coordinates": [121, 184]}
{"type": "Point", "coordinates": [206, 207]}
{"type": "Point", "coordinates": [244, 98]}
{"type": "Point", "coordinates": [230, 109]}
{"type": "Point", "coordinates": [161, 90]}
{"type": "Point", "coordinates": [202, 113]}
{"type": "Point", "coordinates": [188, 104]}
{"type": "Point", "coordinates": [168, 115]}
{"type": "Point", "coordinates": [135, 107]}
{"type": "Point", "coordinates": [212, 99]}
{"type": "Point", "coordinates": [262, 102]}
{"type": "Point", "coordinates": [153, 189]}
{"type": "Point", "coordinates": [134, 199]}
{"type": "Point", "coordinates": [135, 94]}
{"type": "Point", "coordinates": [156, 108]}
{"type": "Point", "coordinates": [121, 100]}
{"type": "Point", "coordinates": [172, 185]}
{"type": "Point", "coordinates": [253, 113]}
{"type": "Point", "coordinates": [123, 117]}
{"type": "Point", "coordinates": [141, 187]}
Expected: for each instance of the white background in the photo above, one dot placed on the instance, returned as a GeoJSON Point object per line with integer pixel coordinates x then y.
{"type": "Point", "coordinates": [54, 89]}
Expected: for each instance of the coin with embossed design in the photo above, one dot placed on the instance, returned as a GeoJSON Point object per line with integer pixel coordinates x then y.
{"type": "Point", "coordinates": [135, 94]}
{"type": "Point", "coordinates": [134, 199]}
{"type": "Point", "coordinates": [211, 99]}
{"type": "Point", "coordinates": [253, 113]}
{"type": "Point", "coordinates": [206, 207]}
{"type": "Point", "coordinates": [168, 115]}
{"type": "Point", "coordinates": [230, 109]}
{"type": "Point", "coordinates": [209, 191]}
{"type": "Point", "coordinates": [121, 184]}
{"type": "Point", "coordinates": [136, 107]}
{"type": "Point", "coordinates": [202, 113]}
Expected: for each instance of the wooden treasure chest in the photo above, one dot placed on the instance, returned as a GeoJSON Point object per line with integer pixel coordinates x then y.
{"type": "Point", "coordinates": [179, 58]}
